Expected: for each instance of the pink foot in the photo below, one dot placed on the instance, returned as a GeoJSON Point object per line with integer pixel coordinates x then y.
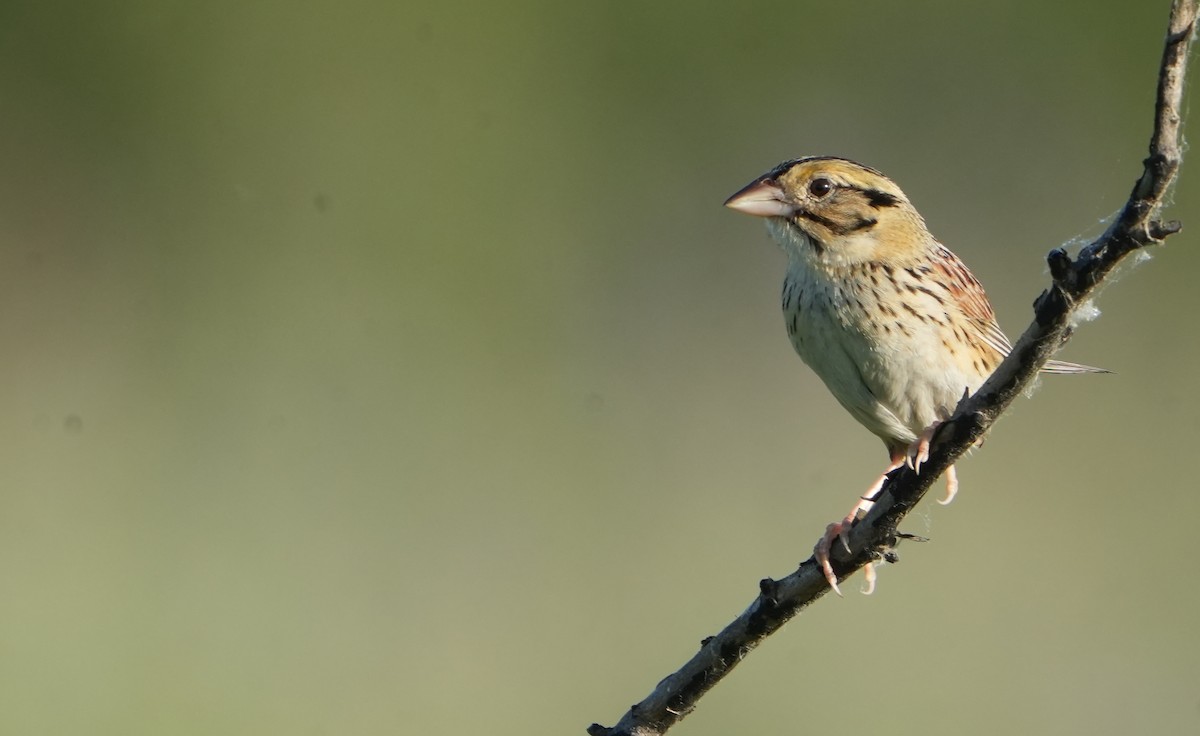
{"type": "Point", "coordinates": [918, 451]}
{"type": "Point", "coordinates": [821, 552]}
{"type": "Point", "coordinates": [840, 530]}
{"type": "Point", "coordinates": [918, 454]}
{"type": "Point", "coordinates": [869, 574]}
{"type": "Point", "coordinates": [951, 486]}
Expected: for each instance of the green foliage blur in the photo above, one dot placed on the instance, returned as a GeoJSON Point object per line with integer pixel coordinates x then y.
{"type": "Point", "coordinates": [377, 368]}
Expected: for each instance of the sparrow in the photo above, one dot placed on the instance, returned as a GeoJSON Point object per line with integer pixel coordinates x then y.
{"type": "Point", "coordinates": [893, 322]}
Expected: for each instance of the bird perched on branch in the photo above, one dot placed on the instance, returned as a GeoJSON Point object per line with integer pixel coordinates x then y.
{"type": "Point", "coordinates": [893, 322]}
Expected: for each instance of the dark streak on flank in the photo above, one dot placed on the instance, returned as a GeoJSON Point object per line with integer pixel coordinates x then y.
{"type": "Point", "coordinates": [914, 312]}
{"type": "Point", "coordinates": [929, 292]}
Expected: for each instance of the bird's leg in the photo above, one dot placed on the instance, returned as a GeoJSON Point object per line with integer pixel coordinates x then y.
{"type": "Point", "coordinates": [841, 529]}
{"type": "Point", "coordinates": [918, 453]}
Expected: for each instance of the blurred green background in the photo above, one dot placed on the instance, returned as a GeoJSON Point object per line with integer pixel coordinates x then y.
{"type": "Point", "coordinates": [382, 368]}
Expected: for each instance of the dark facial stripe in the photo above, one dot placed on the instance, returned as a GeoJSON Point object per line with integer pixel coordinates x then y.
{"type": "Point", "coordinates": [879, 200]}
{"type": "Point", "coordinates": [838, 228]}
{"type": "Point", "coordinates": [823, 221]}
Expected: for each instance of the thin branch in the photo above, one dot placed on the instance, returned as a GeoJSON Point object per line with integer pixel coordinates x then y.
{"type": "Point", "coordinates": [874, 537]}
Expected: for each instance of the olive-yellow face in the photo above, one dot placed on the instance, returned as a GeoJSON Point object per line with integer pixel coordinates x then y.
{"type": "Point", "coordinates": [832, 204]}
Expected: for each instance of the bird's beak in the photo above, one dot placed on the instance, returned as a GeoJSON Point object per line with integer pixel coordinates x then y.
{"type": "Point", "coordinates": [763, 198]}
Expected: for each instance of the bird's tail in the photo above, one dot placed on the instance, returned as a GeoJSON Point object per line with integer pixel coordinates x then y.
{"type": "Point", "coordinates": [1060, 367]}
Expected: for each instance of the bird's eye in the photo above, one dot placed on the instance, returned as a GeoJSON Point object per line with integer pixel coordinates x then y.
{"type": "Point", "coordinates": [820, 187]}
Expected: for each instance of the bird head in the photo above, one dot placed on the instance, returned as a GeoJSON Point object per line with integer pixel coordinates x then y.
{"type": "Point", "coordinates": [834, 211]}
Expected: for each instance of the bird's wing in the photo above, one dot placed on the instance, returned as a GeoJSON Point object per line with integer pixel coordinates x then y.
{"type": "Point", "coordinates": [972, 301]}
{"type": "Point", "coordinates": [969, 295]}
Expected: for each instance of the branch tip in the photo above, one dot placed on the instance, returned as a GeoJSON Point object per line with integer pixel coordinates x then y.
{"type": "Point", "coordinates": [1159, 230]}
{"type": "Point", "coordinates": [767, 589]}
{"type": "Point", "coordinates": [1060, 264]}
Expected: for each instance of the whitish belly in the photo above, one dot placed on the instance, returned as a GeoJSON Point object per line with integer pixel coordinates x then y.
{"type": "Point", "coordinates": [893, 374]}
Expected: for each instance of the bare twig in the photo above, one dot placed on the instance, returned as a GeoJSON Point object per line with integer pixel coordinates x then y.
{"type": "Point", "coordinates": [875, 536]}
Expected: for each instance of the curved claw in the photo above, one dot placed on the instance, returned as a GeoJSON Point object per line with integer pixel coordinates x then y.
{"type": "Point", "coordinates": [918, 451]}
{"type": "Point", "coordinates": [870, 575]}
{"type": "Point", "coordinates": [847, 523]}
{"type": "Point", "coordinates": [951, 486]}
{"type": "Point", "coordinates": [821, 552]}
